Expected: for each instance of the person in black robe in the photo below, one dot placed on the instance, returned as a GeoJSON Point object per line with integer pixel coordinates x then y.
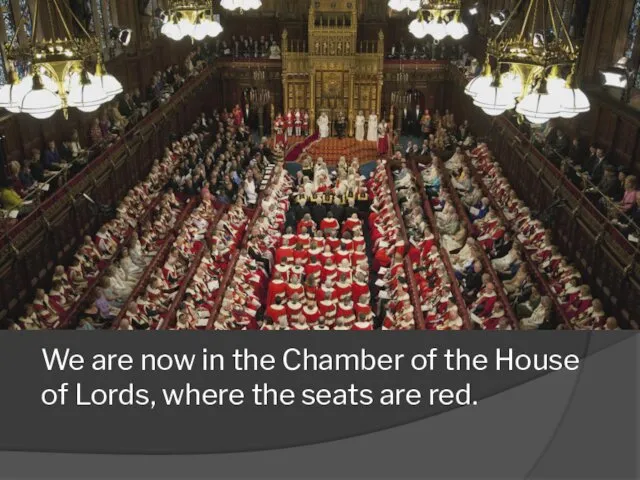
{"type": "Point", "coordinates": [341, 125]}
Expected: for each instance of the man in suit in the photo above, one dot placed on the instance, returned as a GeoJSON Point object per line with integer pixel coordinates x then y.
{"type": "Point", "coordinates": [126, 106]}
{"type": "Point", "coordinates": [596, 172]}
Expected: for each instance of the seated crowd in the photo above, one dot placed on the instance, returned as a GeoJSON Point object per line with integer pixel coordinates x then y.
{"type": "Point", "coordinates": [389, 248]}
{"type": "Point", "coordinates": [245, 294]}
{"type": "Point", "coordinates": [125, 246]}
{"type": "Point", "coordinates": [195, 310]}
{"type": "Point", "coordinates": [609, 187]}
{"type": "Point", "coordinates": [53, 309]}
{"type": "Point", "coordinates": [476, 282]}
{"type": "Point", "coordinates": [575, 299]}
{"type": "Point", "coordinates": [428, 261]}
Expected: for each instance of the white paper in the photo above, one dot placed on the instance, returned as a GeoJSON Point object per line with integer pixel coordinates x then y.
{"type": "Point", "coordinates": [202, 322]}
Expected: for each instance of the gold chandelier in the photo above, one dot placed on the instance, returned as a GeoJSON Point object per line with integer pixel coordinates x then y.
{"type": "Point", "coordinates": [59, 69]}
{"type": "Point", "coordinates": [190, 18]}
{"type": "Point", "coordinates": [526, 68]}
{"type": "Point", "coordinates": [438, 18]}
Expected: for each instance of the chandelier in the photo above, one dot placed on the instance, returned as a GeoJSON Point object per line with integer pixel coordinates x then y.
{"type": "Point", "coordinates": [190, 18]}
{"type": "Point", "coordinates": [438, 18]}
{"type": "Point", "coordinates": [405, 95]}
{"type": "Point", "coordinates": [259, 95]}
{"type": "Point", "coordinates": [60, 75]}
{"type": "Point", "coordinates": [525, 70]}
{"type": "Point", "coordinates": [242, 5]}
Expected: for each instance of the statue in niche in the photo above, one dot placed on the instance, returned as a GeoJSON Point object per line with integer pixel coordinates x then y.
{"type": "Point", "coordinates": [339, 48]}
{"type": "Point", "coordinates": [332, 48]}
{"type": "Point", "coordinates": [347, 47]}
{"type": "Point", "coordinates": [317, 48]}
{"type": "Point", "coordinates": [325, 48]}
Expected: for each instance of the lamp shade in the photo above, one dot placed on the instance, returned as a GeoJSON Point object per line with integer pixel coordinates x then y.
{"type": "Point", "coordinates": [399, 5]}
{"type": "Point", "coordinates": [171, 30]}
{"type": "Point", "coordinates": [200, 30]}
{"type": "Point", "coordinates": [495, 100]}
{"type": "Point", "coordinates": [109, 84]}
{"type": "Point", "coordinates": [438, 30]}
{"type": "Point", "coordinates": [40, 102]}
{"type": "Point", "coordinates": [540, 106]}
{"type": "Point", "coordinates": [419, 28]}
{"type": "Point", "coordinates": [214, 29]}
{"type": "Point", "coordinates": [49, 83]}
{"type": "Point", "coordinates": [573, 103]}
{"type": "Point", "coordinates": [457, 29]}
{"type": "Point", "coordinates": [512, 81]}
{"type": "Point", "coordinates": [241, 4]}
{"type": "Point", "coordinates": [555, 84]}
{"type": "Point", "coordinates": [479, 84]}
{"type": "Point", "coordinates": [87, 95]}
{"type": "Point", "coordinates": [186, 27]}
{"type": "Point", "coordinates": [11, 94]}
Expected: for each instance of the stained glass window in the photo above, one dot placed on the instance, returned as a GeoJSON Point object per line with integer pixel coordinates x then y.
{"type": "Point", "coordinates": [99, 14]}
{"type": "Point", "coordinates": [25, 15]}
{"type": "Point", "coordinates": [3, 74]}
{"type": "Point", "coordinates": [7, 19]}
{"type": "Point", "coordinates": [633, 30]}
{"type": "Point", "coordinates": [632, 37]}
{"type": "Point", "coordinates": [108, 19]}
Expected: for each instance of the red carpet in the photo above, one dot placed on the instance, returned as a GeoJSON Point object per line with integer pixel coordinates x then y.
{"type": "Point", "coordinates": [331, 149]}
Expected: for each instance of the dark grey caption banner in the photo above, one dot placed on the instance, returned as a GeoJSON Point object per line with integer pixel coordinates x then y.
{"type": "Point", "coordinates": [516, 405]}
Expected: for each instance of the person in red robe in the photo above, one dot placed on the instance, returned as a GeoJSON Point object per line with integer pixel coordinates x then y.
{"type": "Point", "coordinates": [277, 312]}
{"type": "Point", "coordinates": [360, 289]}
{"type": "Point", "coordinates": [284, 254]}
{"type": "Point", "coordinates": [300, 255]}
{"type": "Point", "coordinates": [345, 308]}
{"type": "Point", "coordinates": [311, 313]}
{"type": "Point", "coordinates": [351, 223]}
{"type": "Point", "coordinates": [290, 121]}
{"type": "Point", "coordinates": [383, 138]}
{"type": "Point", "coordinates": [306, 222]}
{"type": "Point", "coordinates": [329, 223]}
{"type": "Point", "coordinates": [313, 268]}
{"type": "Point", "coordinates": [294, 307]}
{"type": "Point", "coordinates": [327, 255]}
{"type": "Point", "coordinates": [277, 288]}
{"type": "Point", "coordinates": [343, 287]}
{"type": "Point", "coordinates": [279, 129]}
{"type": "Point", "coordinates": [362, 324]}
{"type": "Point", "coordinates": [238, 117]}
{"type": "Point", "coordinates": [294, 287]}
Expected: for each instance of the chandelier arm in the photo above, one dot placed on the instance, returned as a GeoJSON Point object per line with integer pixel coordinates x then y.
{"type": "Point", "coordinates": [35, 18]}
{"type": "Point", "coordinates": [564, 29]}
{"type": "Point", "coordinates": [511, 15]}
{"type": "Point", "coordinates": [544, 26]}
{"type": "Point", "coordinates": [64, 24]}
{"type": "Point", "coordinates": [526, 20]}
{"type": "Point", "coordinates": [553, 18]}
{"type": "Point", "coordinates": [73, 16]}
{"type": "Point", "coordinates": [53, 28]}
